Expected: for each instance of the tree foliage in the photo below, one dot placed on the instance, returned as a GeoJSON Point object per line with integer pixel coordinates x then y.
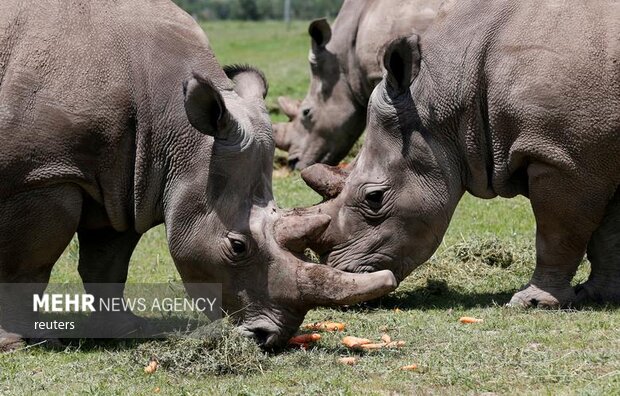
{"type": "Point", "coordinates": [259, 9]}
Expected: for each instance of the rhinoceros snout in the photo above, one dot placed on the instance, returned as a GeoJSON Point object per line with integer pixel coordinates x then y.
{"type": "Point", "coordinates": [269, 337]}
{"type": "Point", "coordinates": [292, 162]}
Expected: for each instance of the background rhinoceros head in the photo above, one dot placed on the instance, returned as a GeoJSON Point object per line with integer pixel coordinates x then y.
{"type": "Point", "coordinates": [325, 125]}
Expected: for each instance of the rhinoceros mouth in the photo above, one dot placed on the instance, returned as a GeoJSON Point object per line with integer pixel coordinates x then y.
{"type": "Point", "coordinates": [268, 337]}
{"type": "Point", "coordinates": [273, 328]}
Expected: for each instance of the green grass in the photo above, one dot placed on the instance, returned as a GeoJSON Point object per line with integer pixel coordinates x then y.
{"type": "Point", "coordinates": [279, 53]}
{"type": "Point", "coordinates": [512, 352]}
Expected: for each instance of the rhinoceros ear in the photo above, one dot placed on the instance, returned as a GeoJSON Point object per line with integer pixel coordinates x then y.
{"type": "Point", "coordinates": [205, 107]}
{"type": "Point", "coordinates": [402, 62]}
{"type": "Point", "coordinates": [249, 81]}
{"type": "Point", "coordinates": [321, 33]}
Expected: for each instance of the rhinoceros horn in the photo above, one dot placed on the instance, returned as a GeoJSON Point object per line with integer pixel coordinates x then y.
{"type": "Point", "coordinates": [326, 180]}
{"type": "Point", "coordinates": [281, 136]}
{"type": "Point", "coordinates": [319, 284]}
{"type": "Point", "coordinates": [296, 232]}
{"type": "Point", "coordinates": [289, 106]}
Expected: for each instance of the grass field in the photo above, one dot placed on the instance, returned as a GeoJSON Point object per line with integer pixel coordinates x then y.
{"type": "Point", "coordinates": [511, 352]}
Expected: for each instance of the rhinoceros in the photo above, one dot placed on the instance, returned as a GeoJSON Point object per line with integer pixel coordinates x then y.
{"type": "Point", "coordinates": [497, 99]}
{"type": "Point", "coordinates": [115, 117]}
{"type": "Point", "coordinates": [345, 66]}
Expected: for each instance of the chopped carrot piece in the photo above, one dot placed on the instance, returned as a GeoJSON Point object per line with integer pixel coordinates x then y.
{"type": "Point", "coordinates": [411, 367]}
{"type": "Point", "coordinates": [349, 361]}
{"type": "Point", "coordinates": [469, 319]}
{"type": "Point", "coordinates": [325, 326]}
{"type": "Point", "coordinates": [304, 339]}
{"type": "Point", "coordinates": [386, 338]}
{"type": "Point", "coordinates": [354, 342]}
{"type": "Point", "coordinates": [395, 344]}
{"type": "Point", "coordinates": [151, 367]}
{"type": "Point", "coordinates": [378, 345]}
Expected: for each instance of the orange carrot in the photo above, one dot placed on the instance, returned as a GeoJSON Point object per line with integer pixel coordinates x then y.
{"type": "Point", "coordinates": [349, 361]}
{"type": "Point", "coordinates": [386, 338]}
{"type": "Point", "coordinates": [378, 345]}
{"type": "Point", "coordinates": [411, 367]}
{"type": "Point", "coordinates": [325, 326]}
{"type": "Point", "coordinates": [395, 344]}
{"type": "Point", "coordinates": [151, 367]}
{"type": "Point", "coordinates": [304, 339]}
{"type": "Point", "coordinates": [354, 342]}
{"type": "Point", "coordinates": [469, 319]}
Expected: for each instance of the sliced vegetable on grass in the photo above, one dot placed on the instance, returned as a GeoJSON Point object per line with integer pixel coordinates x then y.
{"type": "Point", "coordinates": [304, 340]}
{"type": "Point", "coordinates": [151, 367]}
{"type": "Point", "coordinates": [349, 360]}
{"type": "Point", "coordinates": [366, 344]}
{"type": "Point", "coordinates": [354, 342]}
{"type": "Point", "coordinates": [469, 319]}
{"type": "Point", "coordinates": [325, 326]}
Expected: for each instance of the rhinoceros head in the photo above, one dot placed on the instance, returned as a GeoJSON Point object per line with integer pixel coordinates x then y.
{"type": "Point", "coordinates": [392, 210]}
{"type": "Point", "coordinates": [224, 227]}
{"type": "Point", "coordinates": [326, 124]}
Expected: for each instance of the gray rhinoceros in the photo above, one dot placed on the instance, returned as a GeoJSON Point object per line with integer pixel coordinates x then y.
{"type": "Point", "coordinates": [115, 117]}
{"type": "Point", "coordinates": [345, 66]}
{"type": "Point", "coordinates": [498, 99]}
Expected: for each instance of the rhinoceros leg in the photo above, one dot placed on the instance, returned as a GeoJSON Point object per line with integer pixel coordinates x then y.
{"type": "Point", "coordinates": [35, 228]}
{"type": "Point", "coordinates": [604, 254]}
{"type": "Point", "coordinates": [104, 258]}
{"type": "Point", "coordinates": [566, 216]}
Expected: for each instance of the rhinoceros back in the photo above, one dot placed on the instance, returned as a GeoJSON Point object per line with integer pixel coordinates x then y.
{"type": "Point", "coordinates": [81, 81]}
{"type": "Point", "coordinates": [546, 79]}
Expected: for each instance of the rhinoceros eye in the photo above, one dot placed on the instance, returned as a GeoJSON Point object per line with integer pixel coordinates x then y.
{"type": "Point", "coordinates": [374, 199]}
{"type": "Point", "coordinates": [238, 247]}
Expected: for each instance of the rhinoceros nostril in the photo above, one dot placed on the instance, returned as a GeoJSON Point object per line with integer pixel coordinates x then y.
{"type": "Point", "coordinates": [292, 162]}
{"type": "Point", "coordinates": [261, 336]}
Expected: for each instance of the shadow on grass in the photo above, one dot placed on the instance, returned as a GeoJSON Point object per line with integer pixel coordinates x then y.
{"type": "Point", "coordinates": [89, 344]}
{"type": "Point", "coordinates": [436, 295]}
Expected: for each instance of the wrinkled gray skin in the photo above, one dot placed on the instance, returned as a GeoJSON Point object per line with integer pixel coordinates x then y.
{"type": "Point", "coordinates": [498, 99]}
{"type": "Point", "coordinates": [345, 66]}
{"type": "Point", "coordinates": [115, 117]}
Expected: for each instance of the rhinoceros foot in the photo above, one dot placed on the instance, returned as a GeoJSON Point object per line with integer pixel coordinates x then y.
{"type": "Point", "coordinates": [10, 341]}
{"type": "Point", "coordinates": [598, 292]}
{"type": "Point", "coordinates": [533, 296]}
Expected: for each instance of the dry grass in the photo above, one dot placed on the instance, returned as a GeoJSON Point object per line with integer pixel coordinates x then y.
{"type": "Point", "coordinates": [216, 349]}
